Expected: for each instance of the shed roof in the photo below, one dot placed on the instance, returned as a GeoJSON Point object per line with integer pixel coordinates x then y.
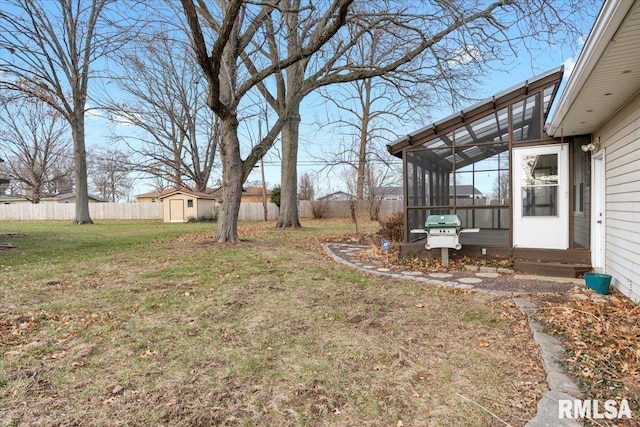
{"type": "Point", "coordinates": [186, 191]}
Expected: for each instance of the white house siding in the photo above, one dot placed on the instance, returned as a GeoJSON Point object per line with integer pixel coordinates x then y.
{"type": "Point", "coordinates": [620, 138]}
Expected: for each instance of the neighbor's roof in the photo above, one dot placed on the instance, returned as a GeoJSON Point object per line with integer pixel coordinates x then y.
{"type": "Point", "coordinates": [71, 196]}
{"type": "Point", "coordinates": [606, 75]}
{"type": "Point", "coordinates": [388, 191]}
{"type": "Point", "coordinates": [482, 109]}
{"type": "Point", "coordinates": [467, 190]}
{"type": "Point", "coordinates": [11, 197]}
{"type": "Point", "coordinates": [337, 193]}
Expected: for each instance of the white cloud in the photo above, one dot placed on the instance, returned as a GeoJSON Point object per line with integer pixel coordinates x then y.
{"type": "Point", "coordinates": [464, 56]}
{"type": "Point", "coordinates": [569, 65]}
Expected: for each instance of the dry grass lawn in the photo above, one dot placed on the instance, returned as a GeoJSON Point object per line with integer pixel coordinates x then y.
{"type": "Point", "coordinates": [144, 323]}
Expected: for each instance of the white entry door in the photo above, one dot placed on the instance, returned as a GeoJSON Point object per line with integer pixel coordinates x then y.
{"type": "Point", "coordinates": [541, 197]}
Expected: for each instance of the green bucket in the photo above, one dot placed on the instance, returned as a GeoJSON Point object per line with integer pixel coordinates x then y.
{"type": "Point", "coordinates": [598, 282]}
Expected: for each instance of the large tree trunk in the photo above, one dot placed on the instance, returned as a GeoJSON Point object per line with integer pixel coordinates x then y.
{"type": "Point", "coordinates": [232, 179]}
{"type": "Point", "coordinates": [80, 168]}
{"type": "Point", "coordinates": [288, 216]}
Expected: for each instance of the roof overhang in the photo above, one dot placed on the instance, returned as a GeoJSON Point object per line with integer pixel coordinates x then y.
{"type": "Point", "coordinates": [606, 75]}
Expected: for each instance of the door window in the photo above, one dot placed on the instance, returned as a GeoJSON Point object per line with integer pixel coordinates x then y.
{"type": "Point", "coordinates": [540, 185]}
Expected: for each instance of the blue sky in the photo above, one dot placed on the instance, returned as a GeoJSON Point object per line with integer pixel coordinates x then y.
{"type": "Point", "coordinates": [517, 69]}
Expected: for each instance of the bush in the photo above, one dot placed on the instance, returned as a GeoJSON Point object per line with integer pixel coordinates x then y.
{"type": "Point", "coordinates": [392, 228]}
{"type": "Point", "coordinates": [203, 218]}
{"type": "Point", "coordinates": [275, 195]}
{"type": "Point", "coordinates": [319, 208]}
{"type": "Point", "coordinates": [374, 204]}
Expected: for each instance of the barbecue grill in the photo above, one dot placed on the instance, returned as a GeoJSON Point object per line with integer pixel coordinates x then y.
{"type": "Point", "coordinates": [443, 231]}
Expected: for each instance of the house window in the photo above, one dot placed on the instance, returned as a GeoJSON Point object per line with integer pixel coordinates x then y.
{"type": "Point", "coordinates": [190, 203]}
{"type": "Point", "coordinates": [153, 200]}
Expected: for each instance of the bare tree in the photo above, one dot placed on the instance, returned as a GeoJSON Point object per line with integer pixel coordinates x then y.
{"type": "Point", "coordinates": [377, 179]}
{"type": "Point", "coordinates": [110, 173]}
{"type": "Point", "coordinates": [306, 187]}
{"type": "Point", "coordinates": [49, 51]}
{"type": "Point", "coordinates": [287, 50]}
{"type": "Point", "coordinates": [35, 142]}
{"type": "Point", "coordinates": [442, 46]}
{"type": "Point", "coordinates": [234, 26]}
{"type": "Point", "coordinates": [166, 102]}
{"type": "Point", "coordinates": [376, 183]}
{"type": "Point", "coordinates": [500, 190]}
{"type": "Point", "coordinates": [366, 111]}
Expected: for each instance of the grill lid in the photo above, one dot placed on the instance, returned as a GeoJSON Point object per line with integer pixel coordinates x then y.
{"type": "Point", "coordinates": [443, 221]}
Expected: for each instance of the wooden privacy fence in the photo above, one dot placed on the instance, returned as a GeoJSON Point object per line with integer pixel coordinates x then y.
{"type": "Point", "coordinates": [114, 211]}
{"type": "Point", "coordinates": [132, 211]}
{"type": "Point", "coordinates": [67, 211]}
{"type": "Point", "coordinates": [342, 209]}
{"type": "Point", "coordinates": [255, 212]}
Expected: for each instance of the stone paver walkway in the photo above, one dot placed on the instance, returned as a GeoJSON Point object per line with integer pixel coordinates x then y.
{"type": "Point", "coordinates": [496, 281]}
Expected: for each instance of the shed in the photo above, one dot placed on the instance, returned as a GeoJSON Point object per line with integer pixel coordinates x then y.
{"type": "Point", "coordinates": [181, 204]}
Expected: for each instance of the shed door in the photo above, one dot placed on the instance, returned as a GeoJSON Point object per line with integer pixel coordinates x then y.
{"type": "Point", "coordinates": [541, 197]}
{"type": "Point", "coordinates": [176, 210]}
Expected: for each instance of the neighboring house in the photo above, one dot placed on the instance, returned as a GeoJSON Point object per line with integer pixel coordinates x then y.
{"type": "Point", "coordinates": [254, 195]}
{"type": "Point", "coordinates": [12, 200]}
{"type": "Point", "coordinates": [69, 198]}
{"type": "Point", "coordinates": [566, 192]}
{"type": "Point", "coordinates": [388, 193]}
{"type": "Point", "coordinates": [181, 204]}
{"type": "Point", "coordinates": [338, 196]}
{"type": "Point", "coordinates": [61, 198]}
{"type": "Point", "coordinates": [468, 192]}
{"type": "Point", "coordinates": [3, 180]}
{"type": "Point", "coordinates": [153, 196]}
{"type": "Point", "coordinates": [602, 102]}
{"type": "Point", "coordinates": [397, 193]}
